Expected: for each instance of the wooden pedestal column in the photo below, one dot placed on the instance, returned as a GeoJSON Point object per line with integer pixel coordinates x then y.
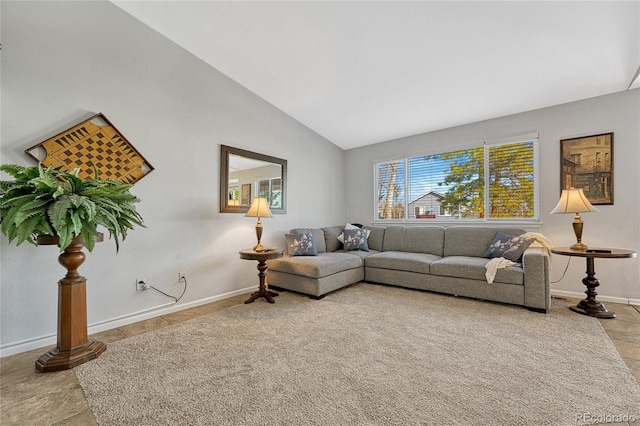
{"type": "Point", "coordinates": [73, 346]}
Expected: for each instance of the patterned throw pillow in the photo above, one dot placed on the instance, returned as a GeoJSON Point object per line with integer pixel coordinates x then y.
{"type": "Point", "coordinates": [301, 244]}
{"type": "Point", "coordinates": [508, 246]}
{"type": "Point", "coordinates": [351, 226]}
{"type": "Point", "coordinates": [355, 239]}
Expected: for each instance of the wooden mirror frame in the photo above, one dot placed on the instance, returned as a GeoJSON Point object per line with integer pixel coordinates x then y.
{"type": "Point", "coordinates": [225, 152]}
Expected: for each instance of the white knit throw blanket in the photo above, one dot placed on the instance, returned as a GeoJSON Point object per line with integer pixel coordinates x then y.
{"type": "Point", "coordinates": [539, 240]}
{"type": "Point", "coordinates": [494, 264]}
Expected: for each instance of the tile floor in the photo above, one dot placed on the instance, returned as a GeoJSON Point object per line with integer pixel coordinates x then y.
{"type": "Point", "coordinates": [28, 397]}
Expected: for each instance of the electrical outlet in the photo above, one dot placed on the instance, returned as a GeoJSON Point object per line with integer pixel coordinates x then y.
{"type": "Point", "coordinates": [141, 284]}
{"type": "Point", "coordinates": [182, 276]}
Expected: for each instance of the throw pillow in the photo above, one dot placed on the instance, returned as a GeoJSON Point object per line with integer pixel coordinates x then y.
{"type": "Point", "coordinates": [301, 244]}
{"type": "Point", "coordinates": [355, 239]}
{"type": "Point", "coordinates": [508, 246]}
{"type": "Point", "coordinates": [350, 226]}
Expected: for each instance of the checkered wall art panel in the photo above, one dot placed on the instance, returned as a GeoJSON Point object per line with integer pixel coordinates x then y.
{"type": "Point", "coordinates": [93, 143]}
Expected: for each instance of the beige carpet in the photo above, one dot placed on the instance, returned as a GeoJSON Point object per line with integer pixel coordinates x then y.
{"type": "Point", "coordinates": [365, 355]}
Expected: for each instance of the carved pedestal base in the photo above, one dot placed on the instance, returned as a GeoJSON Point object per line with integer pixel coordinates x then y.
{"type": "Point", "coordinates": [592, 306]}
{"type": "Point", "coordinates": [60, 359]}
{"type": "Point", "coordinates": [73, 348]}
{"type": "Point", "coordinates": [263, 291]}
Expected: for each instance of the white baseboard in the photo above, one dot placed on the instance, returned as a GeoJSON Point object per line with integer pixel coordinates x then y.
{"type": "Point", "coordinates": [13, 348]}
{"type": "Point", "coordinates": [604, 298]}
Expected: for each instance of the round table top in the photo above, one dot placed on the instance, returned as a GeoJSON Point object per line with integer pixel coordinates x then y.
{"type": "Point", "coordinates": [251, 254]}
{"type": "Point", "coordinates": [599, 252]}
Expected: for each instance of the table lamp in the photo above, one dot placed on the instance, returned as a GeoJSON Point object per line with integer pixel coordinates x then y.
{"type": "Point", "coordinates": [259, 208]}
{"type": "Point", "coordinates": [573, 200]}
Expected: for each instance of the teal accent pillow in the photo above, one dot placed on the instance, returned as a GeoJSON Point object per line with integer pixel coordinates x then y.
{"type": "Point", "coordinates": [508, 246]}
{"type": "Point", "coordinates": [355, 239]}
{"type": "Point", "coordinates": [301, 244]}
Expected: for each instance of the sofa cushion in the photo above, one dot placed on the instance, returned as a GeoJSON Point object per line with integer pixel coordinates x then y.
{"type": "Point", "coordinates": [474, 268]}
{"type": "Point", "coordinates": [376, 237]}
{"type": "Point", "coordinates": [359, 253]}
{"type": "Point", "coordinates": [319, 266]}
{"type": "Point", "coordinates": [401, 261]}
{"type": "Point", "coordinates": [301, 244]}
{"type": "Point", "coordinates": [472, 241]}
{"type": "Point", "coordinates": [331, 234]}
{"type": "Point", "coordinates": [318, 237]}
{"type": "Point", "coordinates": [508, 246]}
{"type": "Point", "coordinates": [355, 239]}
{"type": "Point", "coordinates": [416, 239]}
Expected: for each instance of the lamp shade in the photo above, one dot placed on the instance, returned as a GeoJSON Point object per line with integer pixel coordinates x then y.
{"type": "Point", "coordinates": [573, 200]}
{"type": "Point", "coordinates": [259, 208]}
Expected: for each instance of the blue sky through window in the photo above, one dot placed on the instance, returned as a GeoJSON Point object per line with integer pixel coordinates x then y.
{"type": "Point", "coordinates": [419, 183]}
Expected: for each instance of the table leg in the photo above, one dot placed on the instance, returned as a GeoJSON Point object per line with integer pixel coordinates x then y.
{"type": "Point", "coordinates": [262, 290]}
{"type": "Point", "coordinates": [590, 306]}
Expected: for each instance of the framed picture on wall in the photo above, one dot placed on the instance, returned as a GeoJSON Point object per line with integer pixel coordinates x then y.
{"type": "Point", "coordinates": [587, 163]}
{"type": "Point", "coordinates": [245, 199]}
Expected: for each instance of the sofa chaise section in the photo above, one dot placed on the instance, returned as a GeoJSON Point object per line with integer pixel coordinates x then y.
{"type": "Point", "coordinates": [331, 269]}
{"type": "Point", "coordinates": [315, 275]}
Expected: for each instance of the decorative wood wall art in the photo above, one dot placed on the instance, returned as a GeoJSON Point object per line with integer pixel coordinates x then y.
{"type": "Point", "coordinates": [587, 163]}
{"type": "Point", "coordinates": [97, 143]}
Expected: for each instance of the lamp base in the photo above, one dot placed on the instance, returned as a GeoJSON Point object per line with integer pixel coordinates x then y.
{"type": "Point", "coordinates": [258, 247]}
{"type": "Point", "coordinates": [579, 246]}
{"type": "Point", "coordinates": [577, 229]}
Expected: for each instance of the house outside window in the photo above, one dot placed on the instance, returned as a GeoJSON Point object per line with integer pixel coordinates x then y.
{"type": "Point", "coordinates": [453, 185]}
{"type": "Point", "coordinates": [428, 206]}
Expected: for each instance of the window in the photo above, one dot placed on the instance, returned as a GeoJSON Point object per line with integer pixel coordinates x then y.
{"type": "Point", "coordinates": [491, 181]}
{"type": "Point", "coordinates": [391, 190]}
{"type": "Point", "coordinates": [575, 159]}
{"type": "Point", "coordinates": [512, 190]}
{"type": "Point", "coordinates": [271, 189]}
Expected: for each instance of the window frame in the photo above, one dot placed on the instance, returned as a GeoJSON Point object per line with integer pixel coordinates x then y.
{"type": "Point", "coordinates": [535, 219]}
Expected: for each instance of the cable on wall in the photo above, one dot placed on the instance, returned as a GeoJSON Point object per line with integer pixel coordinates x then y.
{"type": "Point", "coordinates": [565, 271]}
{"type": "Point", "coordinates": [184, 290]}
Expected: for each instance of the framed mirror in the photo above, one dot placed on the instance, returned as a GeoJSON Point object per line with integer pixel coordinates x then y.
{"type": "Point", "coordinates": [245, 175]}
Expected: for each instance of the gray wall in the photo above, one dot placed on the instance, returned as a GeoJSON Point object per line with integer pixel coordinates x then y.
{"type": "Point", "coordinates": [62, 62]}
{"type": "Point", "coordinates": [615, 225]}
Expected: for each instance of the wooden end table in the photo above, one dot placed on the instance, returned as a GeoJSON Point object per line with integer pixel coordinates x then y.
{"type": "Point", "coordinates": [590, 306]}
{"type": "Point", "coordinates": [261, 257]}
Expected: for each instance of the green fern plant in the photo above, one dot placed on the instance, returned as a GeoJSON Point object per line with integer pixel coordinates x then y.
{"type": "Point", "coordinates": [47, 201]}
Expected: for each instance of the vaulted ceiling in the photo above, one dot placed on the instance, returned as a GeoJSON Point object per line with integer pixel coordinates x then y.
{"type": "Point", "coordinates": [363, 72]}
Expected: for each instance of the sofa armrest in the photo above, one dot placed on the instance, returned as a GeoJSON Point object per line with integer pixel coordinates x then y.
{"type": "Point", "coordinates": [537, 294]}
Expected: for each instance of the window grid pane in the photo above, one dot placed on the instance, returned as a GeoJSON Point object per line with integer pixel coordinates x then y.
{"type": "Point", "coordinates": [511, 181]}
{"type": "Point", "coordinates": [448, 185]}
{"type": "Point", "coordinates": [390, 182]}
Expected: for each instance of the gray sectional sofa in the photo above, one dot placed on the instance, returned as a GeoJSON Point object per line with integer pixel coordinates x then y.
{"type": "Point", "coordinates": [445, 260]}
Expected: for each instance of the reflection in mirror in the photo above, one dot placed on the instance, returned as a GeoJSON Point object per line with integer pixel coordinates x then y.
{"type": "Point", "coordinates": [245, 175]}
